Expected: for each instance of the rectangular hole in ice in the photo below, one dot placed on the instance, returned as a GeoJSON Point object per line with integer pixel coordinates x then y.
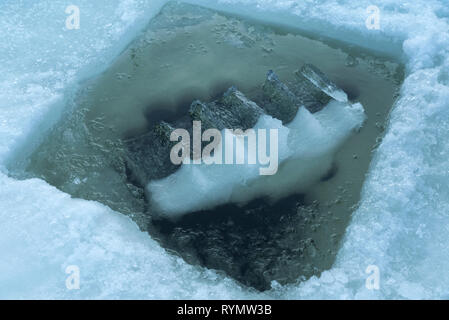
{"type": "Point", "coordinates": [189, 53]}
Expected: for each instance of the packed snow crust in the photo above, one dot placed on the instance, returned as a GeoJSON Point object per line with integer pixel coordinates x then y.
{"type": "Point", "coordinates": [401, 225]}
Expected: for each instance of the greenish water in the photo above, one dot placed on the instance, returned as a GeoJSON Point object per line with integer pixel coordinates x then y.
{"type": "Point", "coordinates": [189, 53]}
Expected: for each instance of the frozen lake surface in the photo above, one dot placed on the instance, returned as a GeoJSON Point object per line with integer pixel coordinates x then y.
{"type": "Point", "coordinates": [188, 53]}
{"type": "Point", "coordinates": [400, 225]}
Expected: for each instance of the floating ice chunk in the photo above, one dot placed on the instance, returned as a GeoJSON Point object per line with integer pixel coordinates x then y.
{"type": "Point", "coordinates": [305, 148]}
{"type": "Point", "coordinates": [148, 156]}
{"type": "Point", "coordinates": [320, 80]}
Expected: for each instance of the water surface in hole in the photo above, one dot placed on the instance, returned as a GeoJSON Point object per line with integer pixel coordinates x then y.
{"type": "Point", "coordinates": [189, 53]}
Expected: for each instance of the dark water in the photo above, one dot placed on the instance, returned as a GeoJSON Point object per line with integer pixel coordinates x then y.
{"type": "Point", "coordinates": [189, 53]}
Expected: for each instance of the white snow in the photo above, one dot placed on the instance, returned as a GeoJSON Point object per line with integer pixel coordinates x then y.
{"type": "Point", "coordinates": [43, 231]}
{"type": "Point", "coordinates": [401, 226]}
{"type": "Point", "coordinates": [305, 150]}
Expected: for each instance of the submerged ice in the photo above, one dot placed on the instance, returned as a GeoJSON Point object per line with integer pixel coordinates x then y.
{"type": "Point", "coordinates": [266, 147]}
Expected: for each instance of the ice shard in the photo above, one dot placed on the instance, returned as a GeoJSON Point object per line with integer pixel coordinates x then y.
{"type": "Point", "coordinates": [148, 156]}
{"type": "Point", "coordinates": [311, 89]}
{"type": "Point", "coordinates": [319, 79]}
{"type": "Point", "coordinates": [232, 111]}
{"type": "Point", "coordinates": [277, 99]}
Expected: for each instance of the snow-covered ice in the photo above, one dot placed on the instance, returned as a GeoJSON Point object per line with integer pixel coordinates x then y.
{"type": "Point", "coordinates": [401, 225]}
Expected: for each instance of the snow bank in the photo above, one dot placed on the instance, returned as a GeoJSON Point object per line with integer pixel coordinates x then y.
{"type": "Point", "coordinates": [304, 153]}
{"type": "Point", "coordinates": [402, 223]}
{"type": "Point", "coordinates": [43, 231]}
